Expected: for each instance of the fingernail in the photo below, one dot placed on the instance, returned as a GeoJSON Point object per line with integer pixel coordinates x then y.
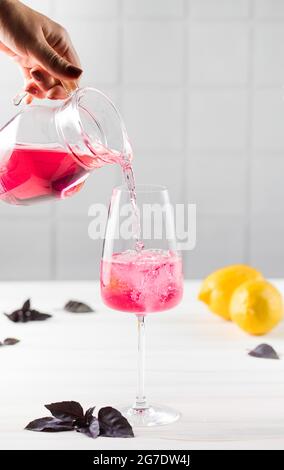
{"type": "Point", "coordinates": [29, 99]}
{"type": "Point", "coordinates": [73, 71]}
{"type": "Point", "coordinates": [32, 90]}
{"type": "Point", "coordinates": [37, 75]}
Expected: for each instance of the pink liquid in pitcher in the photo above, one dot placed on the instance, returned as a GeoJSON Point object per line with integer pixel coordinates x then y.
{"type": "Point", "coordinates": [142, 282]}
{"type": "Point", "coordinates": [32, 174]}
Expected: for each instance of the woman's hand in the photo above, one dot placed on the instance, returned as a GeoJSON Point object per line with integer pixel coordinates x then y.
{"type": "Point", "coordinates": [41, 47]}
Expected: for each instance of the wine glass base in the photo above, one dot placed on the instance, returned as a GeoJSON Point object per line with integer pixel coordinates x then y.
{"type": "Point", "coordinates": [155, 415]}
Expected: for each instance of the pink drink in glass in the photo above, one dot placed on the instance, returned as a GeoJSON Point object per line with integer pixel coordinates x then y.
{"type": "Point", "coordinates": [142, 282]}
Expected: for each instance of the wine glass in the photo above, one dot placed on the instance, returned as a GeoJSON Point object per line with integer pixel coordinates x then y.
{"type": "Point", "coordinates": [141, 272]}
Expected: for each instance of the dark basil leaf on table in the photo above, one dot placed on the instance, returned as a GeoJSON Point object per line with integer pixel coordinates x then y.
{"type": "Point", "coordinates": [10, 341]}
{"type": "Point", "coordinates": [113, 424]}
{"type": "Point", "coordinates": [264, 351]}
{"type": "Point", "coordinates": [66, 410]}
{"type": "Point", "coordinates": [27, 305]}
{"type": "Point", "coordinates": [26, 314]}
{"type": "Point", "coordinates": [49, 424]}
{"type": "Point", "coordinates": [91, 428]}
{"type": "Point", "coordinates": [89, 414]}
{"type": "Point", "coordinates": [73, 306]}
{"type": "Point", "coordinates": [69, 415]}
{"type": "Point", "coordinates": [84, 420]}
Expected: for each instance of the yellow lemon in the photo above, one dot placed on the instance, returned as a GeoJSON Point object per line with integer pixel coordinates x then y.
{"type": "Point", "coordinates": [256, 306]}
{"type": "Point", "coordinates": [217, 289]}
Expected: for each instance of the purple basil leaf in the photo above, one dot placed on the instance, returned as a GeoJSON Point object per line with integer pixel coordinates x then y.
{"type": "Point", "coordinates": [85, 420]}
{"type": "Point", "coordinates": [77, 307]}
{"type": "Point", "coordinates": [264, 351]}
{"type": "Point", "coordinates": [113, 424]}
{"type": "Point", "coordinates": [27, 305]}
{"type": "Point", "coordinates": [67, 410]}
{"type": "Point", "coordinates": [17, 316]}
{"type": "Point", "coordinates": [49, 424]}
{"type": "Point", "coordinates": [24, 316]}
{"type": "Point", "coordinates": [38, 316]}
{"type": "Point", "coordinates": [92, 429]}
{"type": "Point", "coordinates": [11, 341]}
{"type": "Point", "coordinates": [89, 414]}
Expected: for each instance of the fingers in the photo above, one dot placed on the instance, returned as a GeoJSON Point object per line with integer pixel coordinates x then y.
{"type": "Point", "coordinates": [56, 93]}
{"type": "Point", "coordinates": [51, 86]}
{"type": "Point", "coordinates": [33, 90]}
{"type": "Point", "coordinates": [43, 79]}
{"type": "Point", "coordinates": [65, 48]}
{"type": "Point", "coordinates": [26, 72]}
{"type": "Point", "coordinates": [30, 86]}
{"type": "Point", "coordinates": [71, 54]}
{"type": "Point", "coordinates": [40, 84]}
{"type": "Point", "coordinates": [6, 49]}
{"type": "Point", "coordinates": [53, 63]}
{"type": "Point", "coordinates": [29, 99]}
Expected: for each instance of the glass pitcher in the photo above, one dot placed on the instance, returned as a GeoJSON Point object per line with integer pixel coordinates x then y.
{"type": "Point", "coordinates": [48, 153]}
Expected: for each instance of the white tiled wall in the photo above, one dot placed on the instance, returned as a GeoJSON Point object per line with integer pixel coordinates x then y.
{"type": "Point", "coordinates": [199, 83]}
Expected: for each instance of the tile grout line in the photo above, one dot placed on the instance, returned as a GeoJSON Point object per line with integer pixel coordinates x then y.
{"type": "Point", "coordinates": [195, 20]}
{"type": "Point", "coordinates": [226, 86]}
{"type": "Point", "coordinates": [53, 242]}
{"type": "Point", "coordinates": [120, 63]}
{"type": "Point", "coordinates": [247, 228]}
{"type": "Point", "coordinates": [52, 8]}
{"type": "Point", "coordinates": [53, 210]}
{"type": "Point", "coordinates": [186, 94]}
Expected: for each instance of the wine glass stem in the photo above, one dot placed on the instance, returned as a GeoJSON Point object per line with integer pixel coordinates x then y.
{"type": "Point", "coordinates": [141, 402]}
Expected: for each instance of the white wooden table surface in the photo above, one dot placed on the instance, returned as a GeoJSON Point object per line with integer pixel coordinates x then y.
{"type": "Point", "coordinates": [196, 363]}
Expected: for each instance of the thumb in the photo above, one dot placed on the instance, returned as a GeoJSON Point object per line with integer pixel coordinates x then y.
{"type": "Point", "coordinates": [56, 65]}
